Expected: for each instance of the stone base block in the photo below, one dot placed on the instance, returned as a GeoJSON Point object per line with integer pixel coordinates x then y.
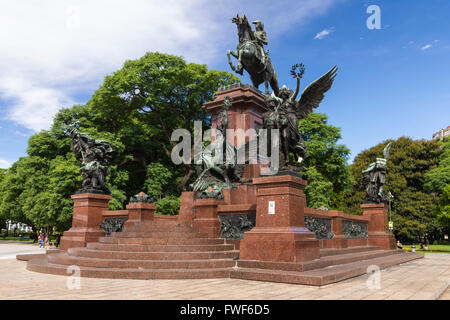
{"type": "Point", "coordinates": [338, 242]}
{"type": "Point", "coordinates": [139, 212]}
{"type": "Point", "coordinates": [79, 237]}
{"type": "Point", "coordinates": [384, 240]}
{"type": "Point", "coordinates": [206, 219]}
{"type": "Point", "coordinates": [187, 207]}
{"type": "Point", "coordinates": [86, 220]}
{"type": "Point", "coordinates": [283, 244]}
{"type": "Point", "coordinates": [211, 226]}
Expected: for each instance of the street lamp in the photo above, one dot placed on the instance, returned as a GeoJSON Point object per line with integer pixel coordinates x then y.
{"type": "Point", "coordinates": [391, 223]}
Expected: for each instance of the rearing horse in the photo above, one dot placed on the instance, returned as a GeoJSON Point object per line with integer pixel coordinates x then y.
{"type": "Point", "coordinates": [248, 60]}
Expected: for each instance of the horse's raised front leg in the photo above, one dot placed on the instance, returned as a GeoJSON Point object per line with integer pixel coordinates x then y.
{"type": "Point", "coordinates": [239, 65]}
{"type": "Point", "coordinates": [234, 54]}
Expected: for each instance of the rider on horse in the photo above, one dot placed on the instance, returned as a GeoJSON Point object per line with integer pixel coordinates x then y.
{"type": "Point", "coordinates": [261, 40]}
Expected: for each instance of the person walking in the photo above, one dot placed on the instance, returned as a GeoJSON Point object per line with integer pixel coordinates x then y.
{"type": "Point", "coordinates": [41, 240]}
{"type": "Point", "coordinates": [46, 241]}
{"type": "Point", "coordinates": [58, 240]}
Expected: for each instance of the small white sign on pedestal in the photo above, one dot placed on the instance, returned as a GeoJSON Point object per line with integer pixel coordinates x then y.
{"type": "Point", "coordinates": [271, 207]}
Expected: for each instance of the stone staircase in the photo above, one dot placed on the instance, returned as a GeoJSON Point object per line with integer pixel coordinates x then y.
{"type": "Point", "coordinates": [333, 266]}
{"type": "Point", "coordinates": [169, 249]}
{"type": "Point", "coordinates": [150, 250]}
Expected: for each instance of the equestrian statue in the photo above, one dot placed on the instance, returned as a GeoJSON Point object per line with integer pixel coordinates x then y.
{"type": "Point", "coordinates": [251, 55]}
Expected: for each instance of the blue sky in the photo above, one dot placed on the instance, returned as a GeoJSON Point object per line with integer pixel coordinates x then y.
{"type": "Point", "coordinates": [391, 82]}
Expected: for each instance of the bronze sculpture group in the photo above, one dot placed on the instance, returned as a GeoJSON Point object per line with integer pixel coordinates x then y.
{"type": "Point", "coordinates": [284, 110]}
{"type": "Point", "coordinates": [284, 114]}
{"type": "Point", "coordinates": [95, 156]}
{"type": "Point", "coordinates": [218, 169]}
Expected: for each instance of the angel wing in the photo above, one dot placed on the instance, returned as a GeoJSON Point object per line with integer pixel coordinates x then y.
{"type": "Point", "coordinates": [313, 95]}
{"type": "Point", "coordinates": [386, 150]}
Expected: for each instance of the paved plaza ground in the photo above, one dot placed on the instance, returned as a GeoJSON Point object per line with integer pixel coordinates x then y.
{"type": "Point", "coordinates": [424, 279]}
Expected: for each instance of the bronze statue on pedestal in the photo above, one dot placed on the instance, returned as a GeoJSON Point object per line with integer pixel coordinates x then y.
{"type": "Point", "coordinates": [95, 156]}
{"type": "Point", "coordinates": [375, 177]}
{"type": "Point", "coordinates": [251, 55]}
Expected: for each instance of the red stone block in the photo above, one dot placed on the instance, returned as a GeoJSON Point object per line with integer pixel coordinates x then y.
{"type": "Point", "coordinates": [378, 228]}
{"type": "Point", "coordinates": [247, 107]}
{"type": "Point", "coordinates": [339, 240]}
{"type": "Point", "coordinates": [206, 219]}
{"type": "Point", "coordinates": [139, 212]}
{"type": "Point", "coordinates": [186, 207]}
{"type": "Point", "coordinates": [280, 236]}
{"type": "Point", "coordinates": [87, 217]}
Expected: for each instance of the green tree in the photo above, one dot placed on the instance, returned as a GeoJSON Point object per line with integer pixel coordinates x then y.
{"type": "Point", "coordinates": [146, 100]}
{"type": "Point", "coordinates": [136, 109]}
{"type": "Point", "coordinates": [2, 217]}
{"type": "Point", "coordinates": [319, 191]}
{"type": "Point", "coordinates": [413, 208]}
{"type": "Point", "coordinates": [157, 180]}
{"type": "Point", "coordinates": [326, 167]}
{"type": "Point", "coordinates": [2, 174]}
{"type": "Point", "coordinates": [444, 208]}
{"type": "Point", "coordinates": [438, 178]}
{"type": "Point", "coordinates": [169, 206]}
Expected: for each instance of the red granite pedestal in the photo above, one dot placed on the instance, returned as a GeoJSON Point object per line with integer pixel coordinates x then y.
{"type": "Point", "coordinates": [87, 217]}
{"type": "Point", "coordinates": [186, 207]}
{"type": "Point", "coordinates": [378, 229]}
{"type": "Point", "coordinates": [247, 107]}
{"type": "Point", "coordinates": [206, 219]}
{"type": "Point", "coordinates": [280, 236]}
{"type": "Point", "coordinates": [139, 212]}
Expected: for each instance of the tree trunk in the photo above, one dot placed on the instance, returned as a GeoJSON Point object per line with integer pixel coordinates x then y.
{"type": "Point", "coordinates": [187, 175]}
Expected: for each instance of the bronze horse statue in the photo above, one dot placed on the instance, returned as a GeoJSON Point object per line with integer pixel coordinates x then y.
{"type": "Point", "coordinates": [246, 53]}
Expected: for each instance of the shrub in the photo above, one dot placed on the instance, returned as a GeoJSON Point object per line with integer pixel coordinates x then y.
{"type": "Point", "coordinates": [168, 206]}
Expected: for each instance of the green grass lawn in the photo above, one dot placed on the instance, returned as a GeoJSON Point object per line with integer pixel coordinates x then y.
{"type": "Point", "coordinates": [431, 248]}
{"type": "Point", "coordinates": [15, 238]}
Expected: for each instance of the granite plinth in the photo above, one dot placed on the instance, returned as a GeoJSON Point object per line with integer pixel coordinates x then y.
{"type": "Point", "coordinates": [206, 219]}
{"type": "Point", "coordinates": [87, 216]}
{"type": "Point", "coordinates": [139, 212]}
{"type": "Point", "coordinates": [280, 234]}
{"type": "Point", "coordinates": [378, 227]}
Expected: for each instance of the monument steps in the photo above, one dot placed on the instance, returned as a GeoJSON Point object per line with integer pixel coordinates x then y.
{"type": "Point", "coordinates": [158, 234]}
{"type": "Point", "coordinates": [153, 249]}
{"type": "Point", "coordinates": [67, 260]}
{"type": "Point", "coordinates": [160, 247]}
{"type": "Point", "coordinates": [326, 275]}
{"type": "Point", "coordinates": [154, 241]}
{"type": "Point", "coordinates": [323, 262]}
{"type": "Point", "coordinates": [42, 265]}
{"type": "Point", "coordinates": [149, 255]}
{"type": "Point", "coordinates": [159, 226]}
{"type": "Point", "coordinates": [171, 250]}
{"type": "Point", "coordinates": [334, 251]}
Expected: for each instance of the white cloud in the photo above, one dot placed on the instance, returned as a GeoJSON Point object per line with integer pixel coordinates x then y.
{"type": "Point", "coordinates": [53, 51]}
{"type": "Point", "coordinates": [322, 34]}
{"type": "Point", "coordinates": [4, 164]}
{"type": "Point", "coordinates": [426, 47]}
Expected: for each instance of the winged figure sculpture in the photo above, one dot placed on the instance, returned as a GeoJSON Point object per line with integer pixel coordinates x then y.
{"type": "Point", "coordinates": [285, 112]}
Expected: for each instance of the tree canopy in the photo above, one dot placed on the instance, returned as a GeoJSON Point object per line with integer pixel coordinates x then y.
{"type": "Point", "coordinates": [326, 168]}
{"type": "Point", "coordinates": [438, 178]}
{"type": "Point", "coordinates": [413, 208]}
{"type": "Point", "coordinates": [136, 109]}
